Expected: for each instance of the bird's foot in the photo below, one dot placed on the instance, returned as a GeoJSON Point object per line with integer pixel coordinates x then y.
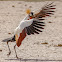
{"type": "Point", "coordinates": [8, 53]}
{"type": "Point", "coordinates": [18, 57]}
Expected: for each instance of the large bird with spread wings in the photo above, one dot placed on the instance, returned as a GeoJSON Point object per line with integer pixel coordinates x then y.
{"type": "Point", "coordinates": [31, 24]}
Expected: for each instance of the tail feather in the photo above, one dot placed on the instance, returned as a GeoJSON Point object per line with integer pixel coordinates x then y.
{"type": "Point", "coordinates": [9, 39]}
{"type": "Point", "coordinates": [6, 40]}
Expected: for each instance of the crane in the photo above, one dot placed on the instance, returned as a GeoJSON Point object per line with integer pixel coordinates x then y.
{"type": "Point", "coordinates": [31, 24]}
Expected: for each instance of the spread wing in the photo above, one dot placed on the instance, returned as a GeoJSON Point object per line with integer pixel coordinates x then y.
{"type": "Point", "coordinates": [35, 27]}
{"type": "Point", "coordinates": [47, 10]}
{"type": "Point", "coordinates": [37, 24]}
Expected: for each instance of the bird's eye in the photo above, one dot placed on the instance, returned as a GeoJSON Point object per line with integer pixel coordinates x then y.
{"type": "Point", "coordinates": [31, 14]}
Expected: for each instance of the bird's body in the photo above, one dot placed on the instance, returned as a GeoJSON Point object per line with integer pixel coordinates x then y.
{"type": "Point", "coordinates": [24, 23]}
{"type": "Point", "coordinates": [31, 24]}
{"type": "Point", "coordinates": [20, 31]}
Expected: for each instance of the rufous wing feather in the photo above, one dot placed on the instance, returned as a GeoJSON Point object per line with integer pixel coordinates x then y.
{"type": "Point", "coordinates": [21, 38]}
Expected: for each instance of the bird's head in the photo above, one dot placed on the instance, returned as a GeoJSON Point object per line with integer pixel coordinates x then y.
{"type": "Point", "coordinates": [31, 14]}
{"type": "Point", "coordinates": [28, 11]}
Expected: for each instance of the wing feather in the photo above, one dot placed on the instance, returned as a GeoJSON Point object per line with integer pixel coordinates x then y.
{"type": "Point", "coordinates": [37, 29]}
{"type": "Point", "coordinates": [47, 9]}
{"type": "Point", "coordinates": [38, 23]}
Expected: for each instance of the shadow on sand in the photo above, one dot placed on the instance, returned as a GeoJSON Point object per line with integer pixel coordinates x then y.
{"type": "Point", "coordinates": [32, 60]}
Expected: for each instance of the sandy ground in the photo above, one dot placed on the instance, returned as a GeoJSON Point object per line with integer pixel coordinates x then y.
{"type": "Point", "coordinates": [11, 13]}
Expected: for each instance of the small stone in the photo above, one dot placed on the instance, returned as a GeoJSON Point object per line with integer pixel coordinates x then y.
{"type": "Point", "coordinates": [59, 45]}
{"type": "Point", "coordinates": [49, 22]}
{"type": "Point", "coordinates": [30, 6]}
{"type": "Point", "coordinates": [13, 6]}
{"type": "Point", "coordinates": [44, 43]}
{"type": "Point", "coordinates": [0, 50]}
{"type": "Point", "coordinates": [25, 4]}
{"type": "Point", "coordinates": [9, 33]}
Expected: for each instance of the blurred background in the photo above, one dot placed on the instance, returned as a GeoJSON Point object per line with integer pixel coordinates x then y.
{"type": "Point", "coordinates": [29, 0]}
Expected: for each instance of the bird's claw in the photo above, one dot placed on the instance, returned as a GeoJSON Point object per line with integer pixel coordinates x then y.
{"type": "Point", "coordinates": [8, 53]}
{"type": "Point", "coordinates": [17, 57]}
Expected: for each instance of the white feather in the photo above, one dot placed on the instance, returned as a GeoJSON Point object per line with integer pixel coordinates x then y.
{"type": "Point", "coordinates": [24, 23]}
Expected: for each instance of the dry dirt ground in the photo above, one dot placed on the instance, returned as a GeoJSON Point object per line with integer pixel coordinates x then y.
{"type": "Point", "coordinates": [47, 46]}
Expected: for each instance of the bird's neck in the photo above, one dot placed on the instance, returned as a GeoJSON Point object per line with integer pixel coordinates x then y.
{"type": "Point", "coordinates": [27, 17]}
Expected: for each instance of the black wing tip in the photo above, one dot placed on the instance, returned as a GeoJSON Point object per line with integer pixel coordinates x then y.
{"type": "Point", "coordinates": [50, 3]}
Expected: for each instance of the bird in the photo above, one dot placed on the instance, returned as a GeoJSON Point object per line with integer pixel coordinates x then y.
{"type": "Point", "coordinates": [32, 24]}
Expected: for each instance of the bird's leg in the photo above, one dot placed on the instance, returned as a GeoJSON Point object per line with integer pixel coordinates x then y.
{"type": "Point", "coordinates": [15, 51]}
{"type": "Point", "coordinates": [9, 49]}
